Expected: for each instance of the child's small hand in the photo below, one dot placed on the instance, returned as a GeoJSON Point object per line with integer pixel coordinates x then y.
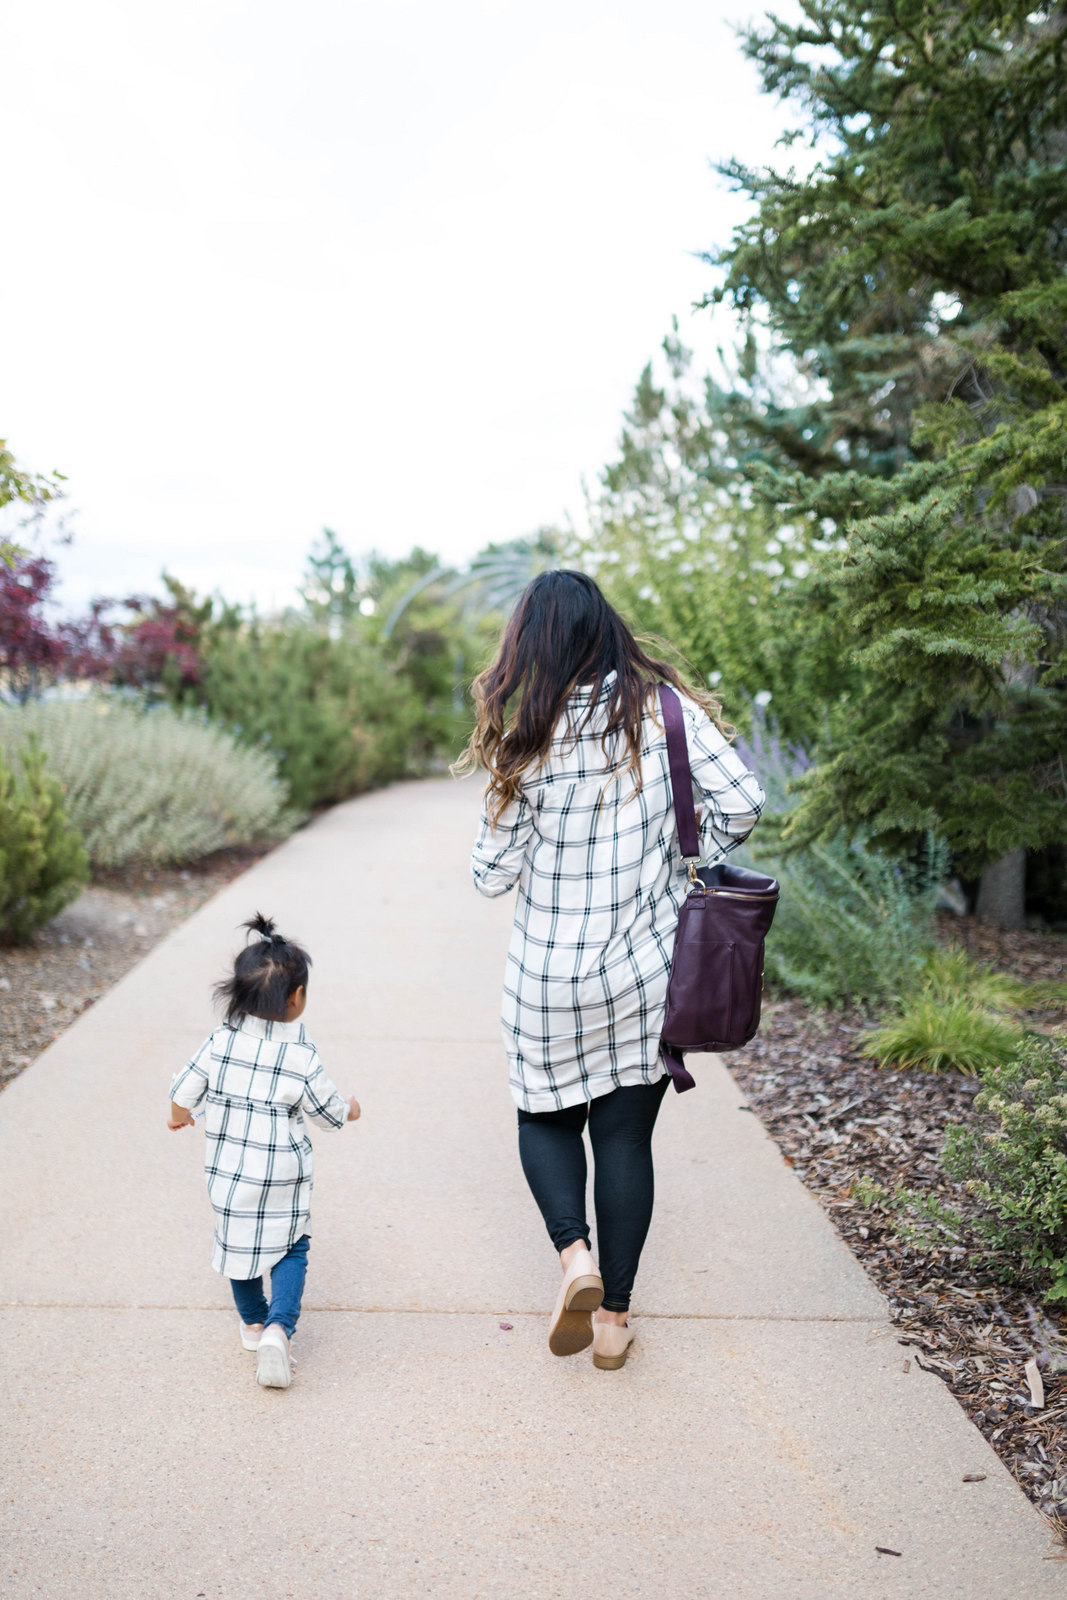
{"type": "Point", "coordinates": [353, 1109]}
{"type": "Point", "coordinates": [180, 1117]}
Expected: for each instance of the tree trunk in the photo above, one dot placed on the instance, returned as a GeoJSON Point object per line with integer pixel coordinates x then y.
{"type": "Point", "coordinates": [1002, 891]}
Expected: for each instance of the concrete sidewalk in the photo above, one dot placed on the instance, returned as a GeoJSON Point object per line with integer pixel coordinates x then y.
{"type": "Point", "coordinates": [762, 1441]}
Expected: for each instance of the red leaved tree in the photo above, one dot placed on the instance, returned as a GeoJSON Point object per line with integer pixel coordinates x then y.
{"type": "Point", "coordinates": [31, 646]}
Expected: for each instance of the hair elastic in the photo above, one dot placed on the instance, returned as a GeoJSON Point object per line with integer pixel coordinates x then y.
{"type": "Point", "coordinates": [262, 981]}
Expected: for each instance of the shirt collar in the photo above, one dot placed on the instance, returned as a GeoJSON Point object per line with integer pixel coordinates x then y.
{"type": "Point", "coordinates": [584, 690]}
{"type": "Point", "coordinates": [288, 1032]}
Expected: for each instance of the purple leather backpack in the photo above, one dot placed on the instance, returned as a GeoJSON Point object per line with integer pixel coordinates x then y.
{"type": "Point", "coordinates": [715, 989]}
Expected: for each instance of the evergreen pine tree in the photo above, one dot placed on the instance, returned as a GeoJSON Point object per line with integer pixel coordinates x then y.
{"type": "Point", "coordinates": [918, 271]}
{"type": "Point", "coordinates": [43, 860]}
{"type": "Point", "coordinates": [332, 589]}
{"type": "Point", "coordinates": [679, 545]}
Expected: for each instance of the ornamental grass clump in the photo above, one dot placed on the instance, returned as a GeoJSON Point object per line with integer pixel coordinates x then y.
{"type": "Point", "coordinates": [936, 1035]}
{"type": "Point", "coordinates": [948, 974]}
{"type": "Point", "coordinates": [963, 1018]}
{"type": "Point", "coordinates": [43, 861]}
{"type": "Point", "coordinates": [150, 785]}
{"type": "Point", "coordinates": [1013, 1160]}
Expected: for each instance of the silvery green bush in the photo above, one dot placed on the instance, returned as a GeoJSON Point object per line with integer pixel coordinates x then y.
{"type": "Point", "coordinates": [148, 784]}
{"type": "Point", "coordinates": [853, 926]}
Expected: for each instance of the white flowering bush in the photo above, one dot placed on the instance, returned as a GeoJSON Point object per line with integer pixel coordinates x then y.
{"type": "Point", "coordinates": [148, 784]}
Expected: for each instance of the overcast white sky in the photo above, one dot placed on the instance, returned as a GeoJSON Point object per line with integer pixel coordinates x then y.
{"type": "Point", "coordinates": [387, 265]}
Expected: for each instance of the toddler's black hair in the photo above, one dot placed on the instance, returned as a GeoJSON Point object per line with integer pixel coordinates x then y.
{"type": "Point", "coordinates": [265, 974]}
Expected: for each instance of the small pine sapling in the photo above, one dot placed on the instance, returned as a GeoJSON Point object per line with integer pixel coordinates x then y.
{"type": "Point", "coordinates": [43, 860]}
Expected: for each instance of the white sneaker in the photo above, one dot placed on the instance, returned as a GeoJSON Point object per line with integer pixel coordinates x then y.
{"type": "Point", "coordinates": [250, 1336]}
{"type": "Point", "coordinates": [274, 1366]}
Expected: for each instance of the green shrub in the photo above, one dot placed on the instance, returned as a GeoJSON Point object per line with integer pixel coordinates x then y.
{"type": "Point", "coordinates": [336, 716]}
{"type": "Point", "coordinates": [943, 1036]}
{"type": "Point", "coordinates": [921, 1220]}
{"type": "Point", "coordinates": [1013, 1159]}
{"type": "Point", "coordinates": [43, 860]}
{"type": "Point", "coordinates": [151, 785]}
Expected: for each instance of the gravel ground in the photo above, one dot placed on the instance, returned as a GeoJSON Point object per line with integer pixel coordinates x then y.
{"type": "Point", "coordinates": [840, 1122]}
{"type": "Point", "coordinates": [92, 944]}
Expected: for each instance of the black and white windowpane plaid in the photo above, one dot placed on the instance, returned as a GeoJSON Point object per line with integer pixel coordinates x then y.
{"type": "Point", "coordinates": [258, 1081]}
{"type": "Point", "coordinates": [600, 881]}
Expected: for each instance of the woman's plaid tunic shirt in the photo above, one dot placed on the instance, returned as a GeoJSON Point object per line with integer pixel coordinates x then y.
{"type": "Point", "coordinates": [259, 1080]}
{"type": "Point", "coordinates": [601, 882]}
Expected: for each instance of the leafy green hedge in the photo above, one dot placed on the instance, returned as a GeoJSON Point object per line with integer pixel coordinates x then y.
{"type": "Point", "coordinates": [333, 712]}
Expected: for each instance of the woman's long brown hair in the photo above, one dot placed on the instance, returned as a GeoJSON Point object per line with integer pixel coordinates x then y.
{"type": "Point", "coordinates": [562, 633]}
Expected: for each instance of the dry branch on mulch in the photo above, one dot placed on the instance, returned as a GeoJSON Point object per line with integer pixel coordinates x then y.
{"type": "Point", "coordinates": [841, 1123]}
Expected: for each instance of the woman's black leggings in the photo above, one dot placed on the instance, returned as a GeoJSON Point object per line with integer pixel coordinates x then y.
{"type": "Point", "coordinates": [553, 1159]}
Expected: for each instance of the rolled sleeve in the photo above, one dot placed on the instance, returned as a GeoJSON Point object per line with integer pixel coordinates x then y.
{"type": "Point", "coordinates": [723, 784]}
{"type": "Point", "coordinates": [189, 1086]}
{"type": "Point", "coordinates": [498, 854]}
{"type": "Point", "coordinates": [320, 1099]}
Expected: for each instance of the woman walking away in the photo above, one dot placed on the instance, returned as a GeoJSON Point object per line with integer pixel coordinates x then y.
{"type": "Point", "coordinates": [259, 1074]}
{"type": "Point", "coordinates": [578, 813]}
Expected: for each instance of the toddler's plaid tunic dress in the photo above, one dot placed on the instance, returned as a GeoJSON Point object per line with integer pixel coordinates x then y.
{"type": "Point", "coordinates": [259, 1080]}
{"type": "Point", "coordinates": [601, 882]}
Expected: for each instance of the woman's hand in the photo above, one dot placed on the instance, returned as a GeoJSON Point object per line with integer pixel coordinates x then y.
{"type": "Point", "coordinates": [353, 1109]}
{"type": "Point", "coordinates": [180, 1117]}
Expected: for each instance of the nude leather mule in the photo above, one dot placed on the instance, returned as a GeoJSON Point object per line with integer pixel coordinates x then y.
{"type": "Point", "coordinates": [611, 1344]}
{"type": "Point", "coordinates": [580, 1293]}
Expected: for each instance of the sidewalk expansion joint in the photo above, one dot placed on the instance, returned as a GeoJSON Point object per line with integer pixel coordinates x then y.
{"type": "Point", "coordinates": [442, 1311]}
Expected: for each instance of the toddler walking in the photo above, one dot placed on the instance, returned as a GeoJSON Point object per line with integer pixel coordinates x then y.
{"type": "Point", "coordinates": [259, 1074]}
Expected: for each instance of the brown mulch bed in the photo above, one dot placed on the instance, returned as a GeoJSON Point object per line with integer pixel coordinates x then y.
{"type": "Point", "coordinates": [840, 1121]}
{"type": "Point", "coordinates": [93, 943]}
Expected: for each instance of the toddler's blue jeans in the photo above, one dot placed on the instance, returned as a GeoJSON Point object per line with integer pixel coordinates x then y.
{"type": "Point", "coordinates": [286, 1290]}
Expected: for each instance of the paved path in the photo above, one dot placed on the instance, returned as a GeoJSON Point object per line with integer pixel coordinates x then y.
{"type": "Point", "coordinates": [763, 1440]}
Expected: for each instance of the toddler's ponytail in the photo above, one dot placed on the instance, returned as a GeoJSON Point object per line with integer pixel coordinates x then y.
{"type": "Point", "coordinates": [265, 974]}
